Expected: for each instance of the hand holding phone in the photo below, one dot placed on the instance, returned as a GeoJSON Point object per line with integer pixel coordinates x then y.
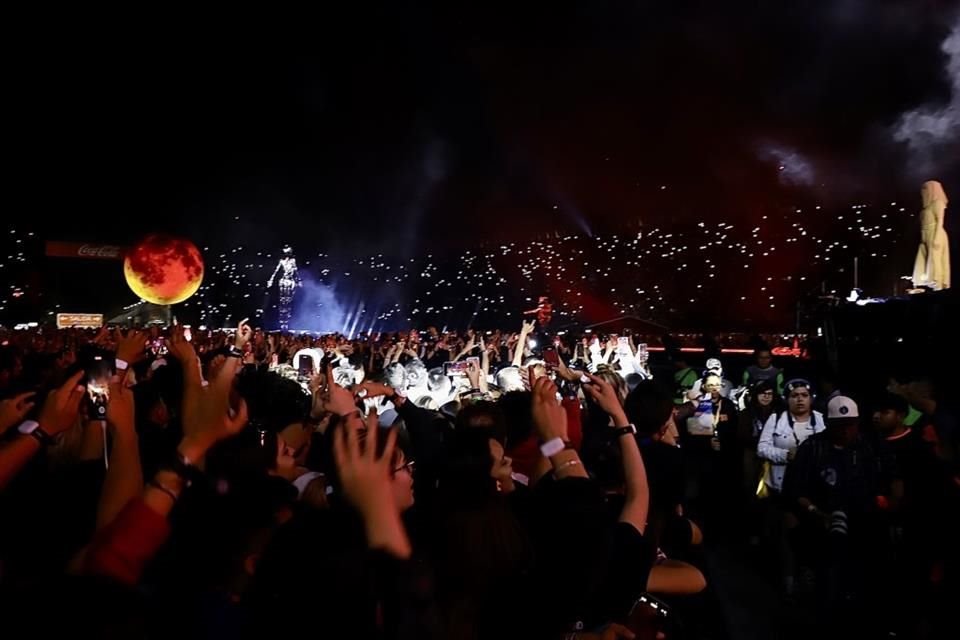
{"type": "Point", "coordinates": [97, 374]}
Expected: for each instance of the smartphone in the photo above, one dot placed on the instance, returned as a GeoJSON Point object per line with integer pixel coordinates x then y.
{"type": "Point", "coordinates": [456, 369]}
{"type": "Point", "coordinates": [97, 374]}
{"type": "Point", "coordinates": [187, 334]}
{"type": "Point", "coordinates": [158, 347]}
{"type": "Point", "coordinates": [551, 357]}
{"type": "Point", "coordinates": [648, 617]}
{"type": "Point", "coordinates": [305, 365]}
{"type": "Point", "coordinates": [624, 342]}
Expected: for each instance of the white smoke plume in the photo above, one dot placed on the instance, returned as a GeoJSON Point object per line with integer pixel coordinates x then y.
{"type": "Point", "coordinates": [794, 169]}
{"type": "Point", "coordinates": [930, 131]}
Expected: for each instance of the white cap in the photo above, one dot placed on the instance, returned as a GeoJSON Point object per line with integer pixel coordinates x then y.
{"type": "Point", "coordinates": [842, 407]}
{"type": "Point", "coordinates": [713, 364]}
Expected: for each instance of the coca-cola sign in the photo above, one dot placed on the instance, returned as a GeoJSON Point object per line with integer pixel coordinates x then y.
{"type": "Point", "coordinates": [98, 251]}
{"type": "Point", "coordinates": [84, 250]}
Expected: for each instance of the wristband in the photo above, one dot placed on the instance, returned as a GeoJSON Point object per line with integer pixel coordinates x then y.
{"type": "Point", "coordinates": [235, 352]}
{"type": "Point", "coordinates": [121, 364]}
{"type": "Point", "coordinates": [552, 447]}
{"type": "Point", "coordinates": [627, 430]}
{"type": "Point", "coordinates": [812, 508]}
{"type": "Point", "coordinates": [32, 428]}
{"type": "Point", "coordinates": [181, 466]}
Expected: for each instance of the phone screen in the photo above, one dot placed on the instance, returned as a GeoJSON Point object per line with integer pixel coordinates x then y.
{"type": "Point", "coordinates": [305, 365]}
{"type": "Point", "coordinates": [97, 379]}
{"type": "Point", "coordinates": [551, 357]}
{"type": "Point", "coordinates": [456, 369]}
{"type": "Point", "coordinates": [647, 617]}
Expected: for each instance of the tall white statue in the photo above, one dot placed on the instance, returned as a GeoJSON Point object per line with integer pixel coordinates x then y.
{"type": "Point", "coordinates": [288, 282]}
{"type": "Point", "coordinates": [932, 266]}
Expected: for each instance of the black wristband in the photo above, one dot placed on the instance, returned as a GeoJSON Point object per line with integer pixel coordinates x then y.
{"type": "Point", "coordinates": [627, 430]}
{"type": "Point", "coordinates": [234, 351]}
{"type": "Point", "coordinates": [181, 466]}
{"type": "Point", "coordinates": [44, 438]}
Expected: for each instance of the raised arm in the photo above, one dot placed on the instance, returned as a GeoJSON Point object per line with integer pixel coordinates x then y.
{"type": "Point", "coordinates": [637, 503]}
{"type": "Point", "coordinates": [58, 414]}
{"type": "Point", "coordinates": [124, 478]}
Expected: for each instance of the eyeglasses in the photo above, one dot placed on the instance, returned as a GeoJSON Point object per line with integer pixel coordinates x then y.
{"type": "Point", "coordinates": [407, 466]}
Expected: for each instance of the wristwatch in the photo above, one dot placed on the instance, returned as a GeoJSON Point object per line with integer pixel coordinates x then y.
{"type": "Point", "coordinates": [627, 430]}
{"type": "Point", "coordinates": [32, 428]}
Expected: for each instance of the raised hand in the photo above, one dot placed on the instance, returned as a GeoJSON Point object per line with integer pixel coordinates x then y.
{"type": "Point", "coordinates": [62, 405]}
{"type": "Point", "coordinates": [527, 327]}
{"type": "Point", "coordinates": [131, 348]}
{"type": "Point", "coordinates": [549, 417]}
{"type": "Point", "coordinates": [244, 332]}
{"type": "Point", "coordinates": [207, 415]}
{"type": "Point", "coordinates": [604, 395]}
{"type": "Point", "coordinates": [14, 410]}
{"type": "Point", "coordinates": [364, 477]}
{"type": "Point", "coordinates": [366, 480]}
{"type": "Point", "coordinates": [181, 348]}
{"type": "Point", "coordinates": [120, 408]}
{"type": "Point", "coordinates": [566, 372]}
{"type": "Point", "coordinates": [473, 374]}
{"type": "Point", "coordinates": [334, 398]}
{"type": "Point", "coordinates": [371, 389]}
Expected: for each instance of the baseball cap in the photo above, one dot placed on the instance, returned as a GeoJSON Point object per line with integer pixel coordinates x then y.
{"type": "Point", "coordinates": [842, 408]}
{"type": "Point", "coordinates": [713, 364]}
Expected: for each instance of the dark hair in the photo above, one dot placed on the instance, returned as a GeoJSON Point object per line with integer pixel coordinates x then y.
{"type": "Point", "coordinates": [518, 414]}
{"type": "Point", "coordinates": [272, 400]}
{"type": "Point", "coordinates": [648, 407]}
{"type": "Point", "coordinates": [465, 478]}
{"type": "Point", "coordinates": [483, 414]}
{"type": "Point", "coordinates": [888, 400]}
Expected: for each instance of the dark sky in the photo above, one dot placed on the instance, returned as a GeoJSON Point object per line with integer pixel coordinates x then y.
{"type": "Point", "coordinates": [379, 129]}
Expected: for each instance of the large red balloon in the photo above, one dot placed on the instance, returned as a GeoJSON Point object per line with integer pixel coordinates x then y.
{"type": "Point", "coordinates": [164, 270]}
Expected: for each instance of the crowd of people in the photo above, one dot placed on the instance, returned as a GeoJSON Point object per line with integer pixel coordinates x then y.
{"type": "Point", "coordinates": [447, 484]}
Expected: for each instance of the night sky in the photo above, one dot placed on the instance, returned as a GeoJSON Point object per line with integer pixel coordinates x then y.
{"type": "Point", "coordinates": [413, 129]}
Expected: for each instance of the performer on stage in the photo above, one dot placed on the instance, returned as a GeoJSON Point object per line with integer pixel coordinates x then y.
{"type": "Point", "coordinates": [932, 266]}
{"type": "Point", "coordinates": [289, 281]}
{"type": "Point", "coordinates": [544, 312]}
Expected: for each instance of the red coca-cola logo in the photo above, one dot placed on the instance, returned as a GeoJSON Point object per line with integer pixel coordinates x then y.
{"type": "Point", "coordinates": [98, 251]}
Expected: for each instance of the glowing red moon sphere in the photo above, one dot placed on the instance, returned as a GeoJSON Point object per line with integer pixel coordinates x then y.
{"type": "Point", "coordinates": [163, 269]}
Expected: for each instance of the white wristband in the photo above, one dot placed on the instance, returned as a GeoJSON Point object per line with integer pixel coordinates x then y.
{"type": "Point", "coordinates": [122, 365]}
{"type": "Point", "coordinates": [552, 447]}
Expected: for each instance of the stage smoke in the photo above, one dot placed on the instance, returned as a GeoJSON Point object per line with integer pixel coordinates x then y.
{"type": "Point", "coordinates": [931, 130]}
{"type": "Point", "coordinates": [316, 307]}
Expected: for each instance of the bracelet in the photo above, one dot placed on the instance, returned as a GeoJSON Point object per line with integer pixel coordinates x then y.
{"type": "Point", "coordinates": [159, 487]}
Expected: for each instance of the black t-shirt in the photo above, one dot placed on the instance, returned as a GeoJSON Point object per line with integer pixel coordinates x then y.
{"type": "Point", "coordinates": [589, 570]}
{"type": "Point", "coordinates": [664, 465]}
{"type": "Point", "coordinates": [833, 478]}
{"type": "Point", "coordinates": [911, 459]}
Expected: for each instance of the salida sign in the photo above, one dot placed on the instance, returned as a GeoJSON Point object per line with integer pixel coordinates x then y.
{"type": "Point", "coordinates": [92, 251]}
